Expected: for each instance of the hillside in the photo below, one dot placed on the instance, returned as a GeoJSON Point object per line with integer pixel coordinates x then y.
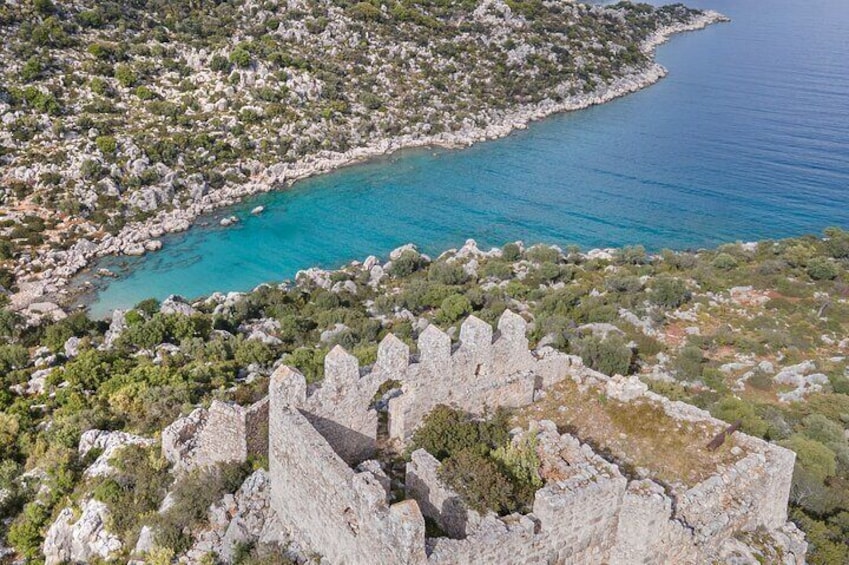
{"type": "Point", "coordinates": [122, 122]}
{"type": "Point", "coordinates": [749, 332]}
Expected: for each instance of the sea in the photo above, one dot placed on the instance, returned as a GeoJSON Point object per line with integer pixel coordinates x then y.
{"type": "Point", "coordinates": [746, 139]}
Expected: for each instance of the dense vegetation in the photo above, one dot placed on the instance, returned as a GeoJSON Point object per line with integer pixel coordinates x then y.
{"type": "Point", "coordinates": [479, 461]}
{"type": "Point", "coordinates": [725, 329]}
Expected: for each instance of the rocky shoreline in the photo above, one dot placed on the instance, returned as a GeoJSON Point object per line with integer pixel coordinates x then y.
{"type": "Point", "coordinates": [38, 296]}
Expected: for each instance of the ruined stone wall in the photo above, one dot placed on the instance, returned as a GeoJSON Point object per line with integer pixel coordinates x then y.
{"type": "Point", "coordinates": [750, 494]}
{"type": "Point", "coordinates": [327, 506]}
{"type": "Point", "coordinates": [646, 531]}
{"type": "Point", "coordinates": [587, 512]}
{"type": "Point", "coordinates": [488, 369]}
{"type": "Point", "coordinates": [223, 433]}
{"type": "Point", "coordinates": [436, 501]}
{"type": "Point", "coordinates": [256, 428]}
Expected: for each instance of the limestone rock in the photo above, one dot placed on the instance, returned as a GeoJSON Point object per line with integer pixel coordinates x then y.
{"type": "Point", "coordinates": [83, 539]}
{"type": "Point", "coordinates": [176, 305]}
{"type": "Point", "coordinates": [109, 443]}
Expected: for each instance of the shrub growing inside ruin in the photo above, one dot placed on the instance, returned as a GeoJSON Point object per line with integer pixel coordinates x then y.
{"type": "Point", "coordinates": [479, 461]}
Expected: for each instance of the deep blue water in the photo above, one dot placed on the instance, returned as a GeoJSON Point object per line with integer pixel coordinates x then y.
{"type": "Point", "coordinates": [747, 138]}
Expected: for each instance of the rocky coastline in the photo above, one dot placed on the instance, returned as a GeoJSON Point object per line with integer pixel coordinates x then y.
{"type": "Point", "coordinates": [47, 292]}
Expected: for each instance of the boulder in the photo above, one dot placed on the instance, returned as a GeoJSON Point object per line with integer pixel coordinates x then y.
{"type": "Point", "coordinates": [81, 540]}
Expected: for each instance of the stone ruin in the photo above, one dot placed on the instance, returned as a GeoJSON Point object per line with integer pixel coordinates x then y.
{"type": "Point", "coordinates": [330, 496]}
{"type": "Point", "coordinates": [224, 432]}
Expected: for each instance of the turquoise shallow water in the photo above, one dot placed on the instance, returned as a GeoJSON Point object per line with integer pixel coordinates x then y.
{"type": "Point", "coordinates": [747, 138]}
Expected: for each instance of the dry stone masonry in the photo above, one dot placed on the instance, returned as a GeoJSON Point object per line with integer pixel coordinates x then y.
{"type": "Point", "coordinates": [224, 432]}
{"type": "Point", "coordinates": [331, 497]}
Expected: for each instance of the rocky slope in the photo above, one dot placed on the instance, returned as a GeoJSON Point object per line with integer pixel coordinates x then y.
{"type": "Point", "coordinates": [754, 332]}
{"type": "Point", "coordinates": [119, 127]}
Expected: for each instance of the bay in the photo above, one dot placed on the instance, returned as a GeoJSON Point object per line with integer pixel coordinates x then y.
{"type": "Point", "coordinates": [746, 139]}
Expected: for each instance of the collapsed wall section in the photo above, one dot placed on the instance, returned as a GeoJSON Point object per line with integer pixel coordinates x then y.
{"type": "Point", "coordinates": [225, 432]}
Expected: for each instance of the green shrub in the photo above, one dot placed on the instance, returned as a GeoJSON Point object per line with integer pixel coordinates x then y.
{"type": "Point", "coordinates": [837, 243]}
{"type": "Point", "coordinates": [479, 481]}
{"type": "Point", "coordinates": [13, 356]}
{"type": "Point", "coordinates": [25, 532]}
{"type": "Point", "coordinates": [511, 252]}
{"type": "Point", "coordinates": [496, 269]}
{"type": "Point", "coordinates": [193, 494]}
{"type": "Point", "coordinates": [221, 64]}
{"type": "Point", "coordinates": [724, 262]}
{"type": "Point", "coordinates": [610, 356]}
{"type": "Point", "coordinates": [405, 265]}
{"type": "Point", "coordinates": [732, 409]}
{"type": "Point", "coordinates": [627, 284]}
{"type": "Point", "coordinates": [447, 431]}
{"type": "Point", "coordinates": [126, 76]}
{"type": "Point", "coordinates": [365, 11]}
{"type": "Point", "coordinates": [240, 57]}
{"type": "Point", "coordinates": [689, 363]}
{"type": "Point", "coordinates": [32, 69]}
{"type": "Point", "coordinates": [144, 93]}
{"type": "Point", "coordinates": [542, 254]}
{"type": "Point", "coordinates": [819, 428]}
{"type": "Point", "coordinates": [631, 255]}
{"type": "Point", "coordinates": [453, 308]}
{"type": "Point", "coordinates": [447, 273]}
{"type": "Point", "coordinates": [309, 361]}
{"type": "Point", "coordinates": [821, 269]}
{"type": "Point", "coordinates": [669, 292]}
{"type": "Point", "coordinates": [250, 351]}
{"type": "Point", "coordinates": [106, 144]}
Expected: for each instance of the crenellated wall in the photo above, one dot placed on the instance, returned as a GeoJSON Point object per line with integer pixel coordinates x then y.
{"type": "Point", "coordinates": [587, 511]}
{"type": "Point", "coordinates": [487, 369]}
